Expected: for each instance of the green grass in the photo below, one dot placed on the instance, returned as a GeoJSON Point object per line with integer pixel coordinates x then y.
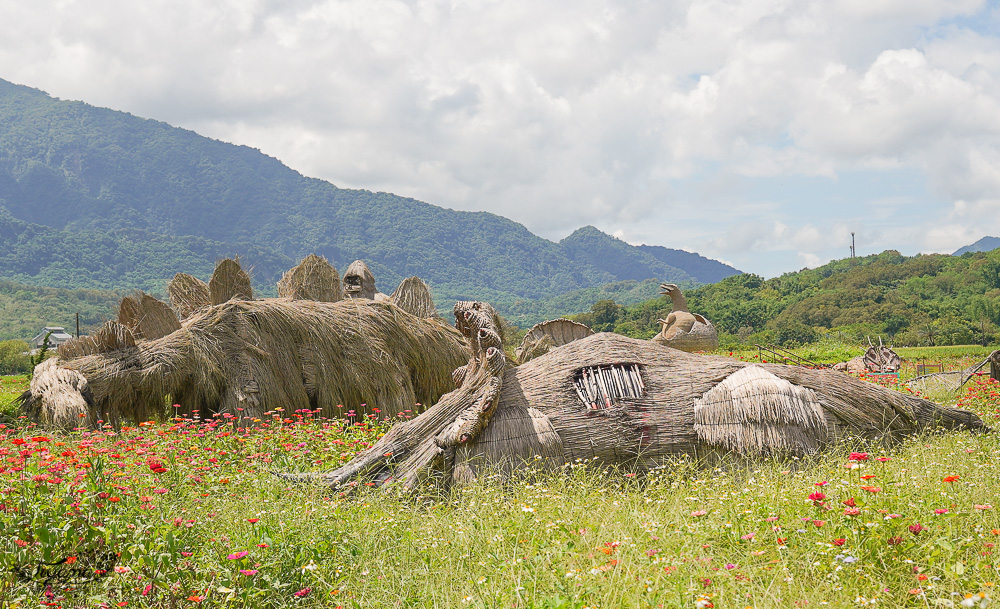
{"type": "Point", "coordinates": [10, 388]}
{"type": "Point", "coordinates": [757, 536]}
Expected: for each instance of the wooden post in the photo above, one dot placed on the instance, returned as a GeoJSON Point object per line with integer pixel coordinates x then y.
{"type": "Point", "coordinates": [78, 325]}
{"type": "Point", "coordinates": [995, 365]}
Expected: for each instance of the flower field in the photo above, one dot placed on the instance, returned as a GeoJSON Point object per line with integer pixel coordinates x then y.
{"type": "Point", "coordinates": [185, 513]}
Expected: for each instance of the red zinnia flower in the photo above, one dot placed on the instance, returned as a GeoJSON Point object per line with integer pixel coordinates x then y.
{"type": "Point", "coordinates": [950, 478]}
{"type": "Point", "coordinates": [858, 457]}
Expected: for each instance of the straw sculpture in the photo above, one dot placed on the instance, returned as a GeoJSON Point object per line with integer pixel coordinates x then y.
{"type": "Point", "coordinates": [188, 294]}
{"type": "Point", "coordinates": [548, 335]}
{"type": "Point", "coordinates": [632, 403]}
{"type": "Point", "coordinates": [414, 296]}
{"type": "Point", "coordinates": [312, 279]}
{"type": "Point", "coordinates": [245, 357]}
{"type": "Point", "coordinates": [881, 359]}
{"type": "Point", "coordinates": [229, 281]}
{"type": "Point", "coordinates": [682, 329]}
{"type": "Point", "coordinates": [360, 283]}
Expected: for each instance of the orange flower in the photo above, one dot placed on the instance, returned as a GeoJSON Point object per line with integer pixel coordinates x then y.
{"type": "Point", "coordinates": [951, 478]}
{"type": "Point", "coordinates": [871, 489]}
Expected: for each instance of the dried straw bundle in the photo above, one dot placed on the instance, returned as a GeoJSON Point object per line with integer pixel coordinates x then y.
{"type": "Point", "coordinates": [414, 296]}
{"type": "Point", "coordinates": [147, 317]}
{"type": "Point", "coordinates": [313, 279]}
{"type": "Point", "coordinates": [247, 357]}
{"type": "Point", "coordinates": [188, 294]}
{"type": "Point", "coordinates": [548, 335]}
{"type": "Point", "coordinates": [229, 281]}
{"type": "Point", "coordinates": [754, 412]}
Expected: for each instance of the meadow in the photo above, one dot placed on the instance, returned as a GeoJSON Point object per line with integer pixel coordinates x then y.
{"type": "Point", "coordinates": [186, 513]}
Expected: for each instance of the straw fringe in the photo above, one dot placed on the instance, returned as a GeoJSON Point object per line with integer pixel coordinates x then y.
{"type": "Point", "coordinates": [753, 412]}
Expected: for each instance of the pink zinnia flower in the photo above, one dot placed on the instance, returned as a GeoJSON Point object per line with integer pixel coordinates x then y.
{"type": "Point", "coordinates": [302, 592]}
{"type": "Point", "coordinates": [237, 555]}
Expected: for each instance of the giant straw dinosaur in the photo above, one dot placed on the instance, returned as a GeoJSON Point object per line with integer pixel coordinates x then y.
{"type": "Point", "coordinates": [231, 353]}
{"type": "Point", "coordinates": [632, 403]}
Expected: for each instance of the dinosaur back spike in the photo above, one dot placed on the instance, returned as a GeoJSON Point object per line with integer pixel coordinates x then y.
{"type": "Point", "coordinates": [229, 281]}
{"type": "Point", "coordinates": [313, 279]}
{"type": "Point", "coordinates": [113, 336]}
{"type": "Point", "coordinates": [414, 297]}
{"type": "Point", "coordinates": [188, 294]}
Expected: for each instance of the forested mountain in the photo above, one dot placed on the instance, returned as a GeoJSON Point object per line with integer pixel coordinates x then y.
{"type": "Point", "coordinates": [24, 310]}
{"type": "Point", "coordinates": [919, 300]}
{"type": "Point", "coordinates": [986, 244]}
{"type": "Point", "coordinates": [103, 199]}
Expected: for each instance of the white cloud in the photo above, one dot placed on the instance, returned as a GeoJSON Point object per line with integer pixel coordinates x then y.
{"type": "Point", "coordinates": [658, 120]}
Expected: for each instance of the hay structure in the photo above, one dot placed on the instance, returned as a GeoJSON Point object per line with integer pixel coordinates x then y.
{"type": "Point", "coordinates": [188, 294]}
{"type": "Point", "coordinates": [147, 317]}
{"type": "Point", "coordinates": [414, 296]}
{"type": "Point", "coordinates": [696, 405]}
{"type": "Point", "coordinates": [229, 281]}
{"type": "Point", "coordinates": [312, 279]}
{"type": "Point", "coordinates": [682, 329]}
{"type": "Point", "coordinates": [752, 411]}
{"type": "Point", "coordinates": [245, 357]}
{"type": "Point", "coordinates": [360, 283]}
{"type": "Point", "coordinates": [548, 335]}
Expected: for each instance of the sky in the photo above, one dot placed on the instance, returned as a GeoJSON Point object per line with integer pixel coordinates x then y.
{"type": "Point", "coordinates": [761, 133]}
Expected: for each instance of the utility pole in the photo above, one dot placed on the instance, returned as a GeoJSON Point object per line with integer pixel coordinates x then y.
{"type": "Point", "coordinates": [853, 251]}
{"type": "Point", "coordinates": [78, 325]}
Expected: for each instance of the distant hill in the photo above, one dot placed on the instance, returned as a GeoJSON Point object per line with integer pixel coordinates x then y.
{"type": "Point", "coordinates": [24, 309]}
{"type": "Point", "coordinates": [103, 199]}
{"type": "Point", "coordinates": [913, 300]}
{"type": "Point", "coordinates": [986, 244]}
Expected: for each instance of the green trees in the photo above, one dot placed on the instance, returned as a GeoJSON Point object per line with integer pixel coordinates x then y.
{"type": "Point", "coordinates": [919, 300]}
{"type": "Point", "coordinates": [14, 358]}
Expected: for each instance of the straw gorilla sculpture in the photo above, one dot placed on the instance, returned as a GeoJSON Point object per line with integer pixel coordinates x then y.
{"type": "Point", "coordinates": [308, 349]}
{"type": "Point", "coordinates": [629, 402]}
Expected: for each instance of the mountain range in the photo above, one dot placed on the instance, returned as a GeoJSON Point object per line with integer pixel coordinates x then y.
{"type": "Point", "coordinates": [986, 244]}
{"type": "Point", "coordinates": [101, 199]}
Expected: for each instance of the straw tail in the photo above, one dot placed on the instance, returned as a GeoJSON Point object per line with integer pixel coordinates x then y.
{"type": "Point", "coordinates": [412, 450]}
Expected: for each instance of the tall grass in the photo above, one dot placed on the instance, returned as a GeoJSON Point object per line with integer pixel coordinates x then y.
{"type": "Point", "coordinates": [186, 514]}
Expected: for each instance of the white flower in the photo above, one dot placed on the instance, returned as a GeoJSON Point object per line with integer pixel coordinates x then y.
{"type": "Point", "coordinates": [975, 600]}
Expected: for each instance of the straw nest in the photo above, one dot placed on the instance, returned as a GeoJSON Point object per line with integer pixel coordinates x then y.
{"type": "Point", "coordinates": [696, 405]}
{"type": "Point", "coordinates": [700, 336]}
{"type": "Point", "coordinates": [246, 357]}
{"type": "Point", "coordinates": [547, 335]}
